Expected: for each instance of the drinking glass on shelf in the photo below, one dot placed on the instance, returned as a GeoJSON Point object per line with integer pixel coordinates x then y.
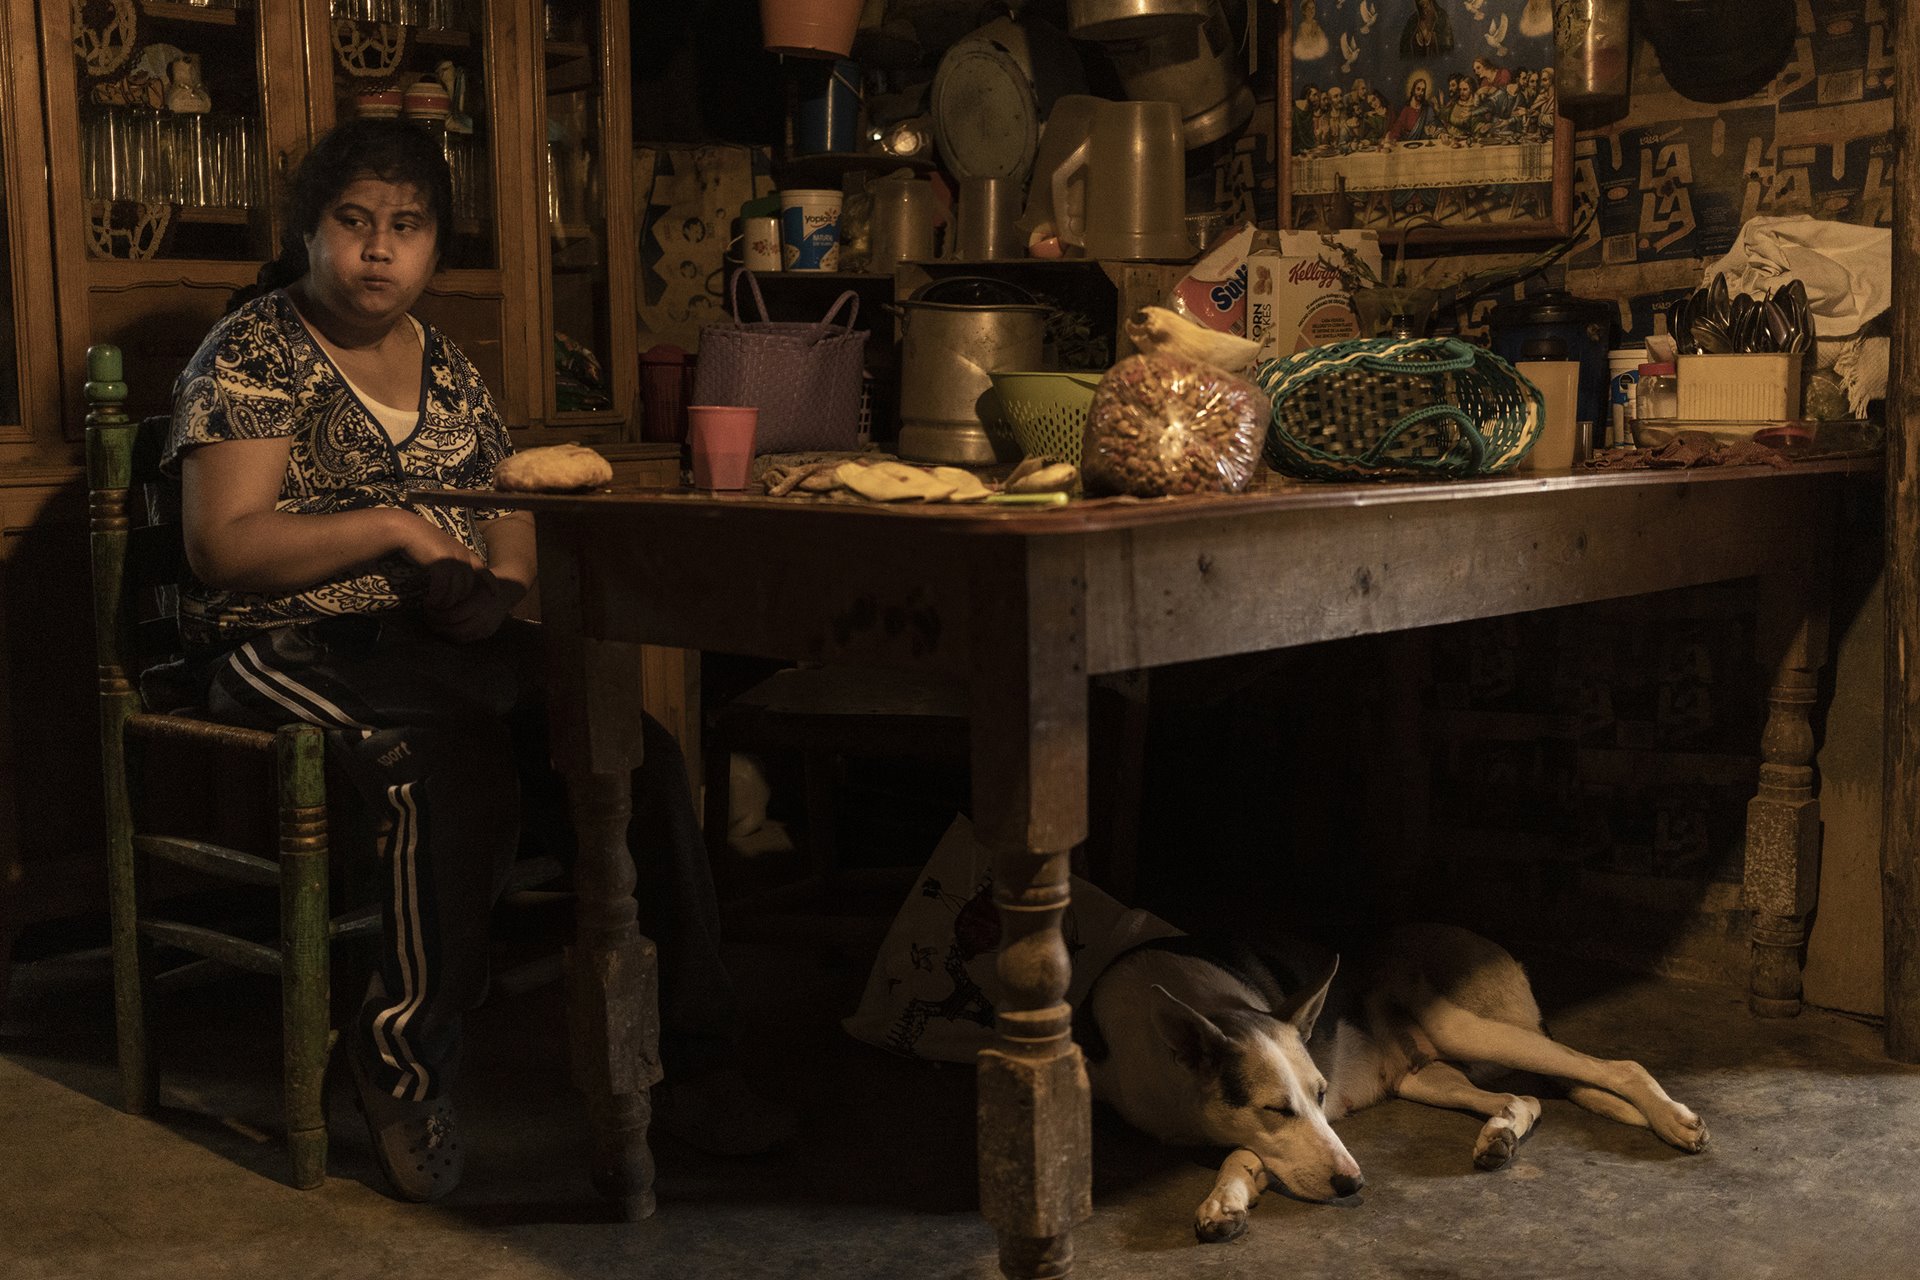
{"type": "Point", "coordinates": [100, 171]}
{"type": "Point", "coordinates": [144, 181]}
{"type": "Point", "coordinates": [246, 163]}
{"type": "Point", "coordinates": [212, 171]}
{"type": "Point", "coordinates": [189, 167]}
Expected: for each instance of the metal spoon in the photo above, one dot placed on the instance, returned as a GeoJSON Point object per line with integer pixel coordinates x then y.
{"type": "Point", "coordinates": [1779, 328]}
{"type": "Point", "coordinates": [1679, 325]}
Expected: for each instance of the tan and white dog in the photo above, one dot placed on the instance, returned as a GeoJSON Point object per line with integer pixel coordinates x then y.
{"type": "Point", "coordinates": [1209, 1042]}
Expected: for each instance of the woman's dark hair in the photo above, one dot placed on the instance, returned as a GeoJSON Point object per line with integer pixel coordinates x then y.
{"type": "Point", "coordinates": [393, 151]}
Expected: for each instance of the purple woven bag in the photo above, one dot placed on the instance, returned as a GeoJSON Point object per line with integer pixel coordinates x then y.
{"type": "Point", "coordinates": [804, 378]}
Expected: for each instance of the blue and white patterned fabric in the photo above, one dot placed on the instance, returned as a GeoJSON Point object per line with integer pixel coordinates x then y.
{"type": "Point", "coordinates": [260, 374]}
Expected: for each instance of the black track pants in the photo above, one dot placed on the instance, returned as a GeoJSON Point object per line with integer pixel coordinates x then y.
{"type": "Point", "coordinates": [440, 740]}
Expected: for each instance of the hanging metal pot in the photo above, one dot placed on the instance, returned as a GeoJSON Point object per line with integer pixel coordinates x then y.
{"type": "Point", "coordinates": [1132, 19]}
{"type": "Point", "coordinates": [1197, 67]}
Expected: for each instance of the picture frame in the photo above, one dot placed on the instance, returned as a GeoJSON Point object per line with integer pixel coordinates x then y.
{"type": "Point", "coordinates": [1432, 120]}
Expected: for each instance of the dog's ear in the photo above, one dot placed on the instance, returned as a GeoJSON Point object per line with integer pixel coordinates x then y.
{"type": "Point", "coordinates": [1197, 1044]}
{"type": "Point", "coordinates": [1302, 1008]}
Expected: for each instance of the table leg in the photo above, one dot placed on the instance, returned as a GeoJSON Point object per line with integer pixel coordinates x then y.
{"type": "Point", "coordinates": [1029, 729]}
{"type": "Point", "coordinates": [595, 693]}
{"type": "Point", "coordinates": [612, 995]}
{"type": "Point", "coordinates": [1783, 819]}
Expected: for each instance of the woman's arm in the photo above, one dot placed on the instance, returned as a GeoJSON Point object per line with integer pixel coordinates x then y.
{"type": "Point", "coordinates": [510, 548]}
{"type": "Point", "coordinates": [237, 541]}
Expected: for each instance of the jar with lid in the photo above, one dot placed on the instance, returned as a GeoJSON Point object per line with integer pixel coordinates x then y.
{"type": "Point", "coordinates": [1657, 395]}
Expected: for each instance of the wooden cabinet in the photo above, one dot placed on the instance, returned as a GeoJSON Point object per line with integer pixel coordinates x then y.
{"type": "Point", "coordinates": [131, 208]}
{"type": "Point", "coordinates": [160, 207]}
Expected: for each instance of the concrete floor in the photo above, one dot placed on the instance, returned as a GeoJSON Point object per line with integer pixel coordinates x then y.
{"type": "Point", "coordinates": [1811, 1171]}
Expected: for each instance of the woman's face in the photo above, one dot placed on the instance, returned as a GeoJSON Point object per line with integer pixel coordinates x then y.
{"type": "Point", "coordinates": [373, 251]}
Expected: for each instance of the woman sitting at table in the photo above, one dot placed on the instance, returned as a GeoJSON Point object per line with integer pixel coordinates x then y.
{"type": "Point", "coordinates": [318, 593]}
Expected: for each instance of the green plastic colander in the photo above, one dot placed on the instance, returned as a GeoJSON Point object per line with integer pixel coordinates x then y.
{"type": "Point", "coordinates": [1047, 412]}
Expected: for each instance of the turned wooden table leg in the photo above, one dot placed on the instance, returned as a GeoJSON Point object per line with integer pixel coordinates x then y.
{"type": "Point", "coordinates": [612, 995]}
{"type": "Point", "coordinates": [1029, 709]}
{"type": "Point", "coordinates": [595, 694]}
{"type": "Point", "coordinates": [1783, 819]}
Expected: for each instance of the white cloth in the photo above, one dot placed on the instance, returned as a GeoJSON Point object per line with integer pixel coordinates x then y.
{"type": "Point", "coordinates": [1848, 273]}
{"type": "Point", "coordinates": [1848, 270]}
{"type": "Point", "coordinates": [934, 988]}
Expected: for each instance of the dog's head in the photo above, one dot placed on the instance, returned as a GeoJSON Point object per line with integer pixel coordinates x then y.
{"type": "Point", "coordinates": [1259, 1087]}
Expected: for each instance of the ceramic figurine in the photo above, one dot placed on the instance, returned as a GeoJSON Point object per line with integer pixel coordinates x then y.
{"type": "Point", "coordinates": [454, 79]}
{"type": "Point", "coordinates": [186, 91]}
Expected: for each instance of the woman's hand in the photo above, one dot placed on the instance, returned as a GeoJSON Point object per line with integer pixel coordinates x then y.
{"type": "Point", "coordinates": [453, 568]}
{"type": "Point", "coordinates": [479, 613]}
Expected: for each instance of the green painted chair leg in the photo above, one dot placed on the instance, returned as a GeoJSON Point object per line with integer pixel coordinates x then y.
{"type": "Point", "coordinates": [304, 958]}
{"type": "Point", "coordinates": [132, 961]}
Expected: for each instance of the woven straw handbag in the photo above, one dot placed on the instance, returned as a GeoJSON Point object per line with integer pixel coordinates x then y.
{"type": "Point", "coordinates": [804, 378]}
{"type": "Point", "coordinates": [1398, 408]}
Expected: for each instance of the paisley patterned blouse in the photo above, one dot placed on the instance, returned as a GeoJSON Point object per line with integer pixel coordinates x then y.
{"type": "Point", "coordinates": [261, 374]}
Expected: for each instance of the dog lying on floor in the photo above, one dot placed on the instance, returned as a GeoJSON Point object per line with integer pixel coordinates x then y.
{"type": "Point", "coordinates": [1209, 1042]}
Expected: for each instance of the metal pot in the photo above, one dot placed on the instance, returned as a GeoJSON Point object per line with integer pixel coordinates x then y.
{"type": "Point", "coordinates": [1131, 19]}
{"type": "Point", "coordinates": [955, 333]}
{"type": "Point", "coordinates": [1196, 66]}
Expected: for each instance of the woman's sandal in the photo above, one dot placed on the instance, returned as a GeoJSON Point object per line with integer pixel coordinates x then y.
{"type": "Point", "coordinates": [414, 1143]}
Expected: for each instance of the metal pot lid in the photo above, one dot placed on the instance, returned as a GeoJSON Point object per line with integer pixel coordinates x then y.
{"type": "Point", "coordinates": [1554, 306]}
{"type": "Point", "coordinates": [972, 291]}
{"type": "Point", "coordinates": [978, 308]}
{"type": "Point", "coordinates": [985, 118]}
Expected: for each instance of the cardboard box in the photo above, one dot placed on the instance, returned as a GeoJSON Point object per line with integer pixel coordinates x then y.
{"type": "Point", "coordinates": [1294, 300]}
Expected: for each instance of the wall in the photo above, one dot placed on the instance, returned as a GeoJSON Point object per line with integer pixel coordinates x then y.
{"type": "Point", "coordinates": [1676, 179]}
{"type": "Point", "coordinates": [1634, 854]}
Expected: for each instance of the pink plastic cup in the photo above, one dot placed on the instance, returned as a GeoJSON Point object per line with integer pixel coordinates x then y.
{"type": "Point", "coordinates": [722, 440]}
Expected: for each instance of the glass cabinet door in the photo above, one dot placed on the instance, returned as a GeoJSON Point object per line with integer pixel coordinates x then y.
{"type": "Point", "coordinates": [30, 381]}
{"type": "Point", "coordinates": [170, 109]}
{"type": "Point", "coordinates": [583, 165]}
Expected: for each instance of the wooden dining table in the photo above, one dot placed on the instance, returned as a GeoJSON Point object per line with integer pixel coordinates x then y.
{"type": "Point", "coordinates": [1027, 605]}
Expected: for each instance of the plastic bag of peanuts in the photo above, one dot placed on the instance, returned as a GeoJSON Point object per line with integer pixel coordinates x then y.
{"type": "Point", "coordinates": [1165, 424]}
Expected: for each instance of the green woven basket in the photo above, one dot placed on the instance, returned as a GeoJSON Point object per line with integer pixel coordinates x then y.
{"type": "Point", "coordinates": [1047, 412]}
{"type": "Point", "coordinates": [1396, 408]}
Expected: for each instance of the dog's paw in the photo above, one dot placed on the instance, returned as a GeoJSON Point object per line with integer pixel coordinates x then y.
{"type": "Point", "coordinates": [1217, 1224]}
{"type": "Point", "coordinates": [1682, 1129]}
{"type": "Point", "coordinates": [1495, 1146]}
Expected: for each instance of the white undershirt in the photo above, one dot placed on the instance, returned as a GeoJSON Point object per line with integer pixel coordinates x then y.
{"type": "Point", "coordinates": [399, 423]}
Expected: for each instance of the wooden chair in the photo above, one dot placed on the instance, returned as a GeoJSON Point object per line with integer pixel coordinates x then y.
{"type": "Point", "coordinates": [152, 756]}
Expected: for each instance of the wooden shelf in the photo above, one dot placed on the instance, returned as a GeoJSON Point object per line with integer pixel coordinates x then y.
{"type": "Point", "coordinates": [173, 11]}
{"type": "Point", "coordinates": [442, 38]}
{"type": "Point", "coordinates": [826, 168]}
{"type": "Point", "coordinates": [579, 76]}
{"type": "Point", "coordinates": [559, 51]}
{"type": "Point", "coordinates": [829, 277]}
{"type": "Point", "coordinates": [213, 214]}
